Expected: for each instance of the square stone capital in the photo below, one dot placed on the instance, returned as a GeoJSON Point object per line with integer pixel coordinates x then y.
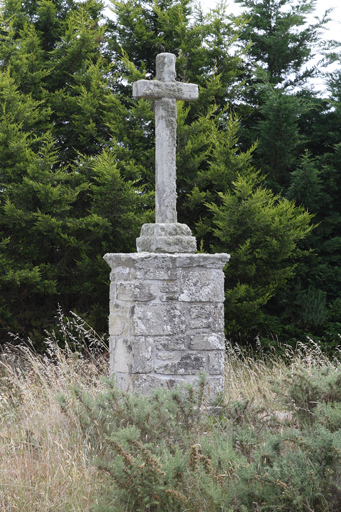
{"type": "Point", "coordinates": [166, 238]}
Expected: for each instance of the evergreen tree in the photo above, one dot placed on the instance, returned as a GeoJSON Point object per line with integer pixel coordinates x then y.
{"type": "Point", "coordinates": [314, 304]}
{"type": "Point", "coordinates": [321, 271]}
{"type": "Point", "coordinates": [298, 137]}
{"type": "Point", "coordinates": [56, 219]}
{"type": "Point", "coordinates": [279, 66]}
{"type": "Point", "coordinates": [77, 156]}
{"type": "Point", "coordinates": [262, 231]}
{"type": "Point", "coordinates": [283, 43]}
{"type": "Point", "coordinates": [205, 45]}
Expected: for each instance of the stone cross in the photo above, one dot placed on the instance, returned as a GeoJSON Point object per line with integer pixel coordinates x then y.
{"type": "Point", "coordinates": [166, 321]}
{"type": "Point", "coordinates": [165, 91]}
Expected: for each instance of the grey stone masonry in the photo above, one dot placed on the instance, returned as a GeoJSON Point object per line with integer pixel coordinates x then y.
{"type": "Point", "coordinates": [165, 91]}
{"type": "Point", "coordinates": [166, 321]}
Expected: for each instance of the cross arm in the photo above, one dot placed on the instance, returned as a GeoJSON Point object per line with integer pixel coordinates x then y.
{"type": "Point", "coordinates": [155, 89]}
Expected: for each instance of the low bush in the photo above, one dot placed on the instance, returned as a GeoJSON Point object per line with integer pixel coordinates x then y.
{"type": "Point", "coordinates": [168, 453]}
{"type": "Point", "coordinates": [71, 441]}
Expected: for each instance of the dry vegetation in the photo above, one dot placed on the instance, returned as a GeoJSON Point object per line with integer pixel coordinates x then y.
{"type": "Point", "coordinates": [45, 461]}
{"type": "Point", "coordinates": [249, 376]}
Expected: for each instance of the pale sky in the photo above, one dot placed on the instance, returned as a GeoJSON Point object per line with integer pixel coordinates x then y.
{"type": "Point", "coordinates": [334, 30]}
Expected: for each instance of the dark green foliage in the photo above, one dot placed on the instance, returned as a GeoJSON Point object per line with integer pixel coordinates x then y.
{"type": "Point", "coordinates": [297, 133]}
{"type": "Point", "coordinates": [77, 152]}
{"type": "Point", "coordinates": [202, 43]}
{"type": "Point", "coordinates": [282, 41]}
{"type": "Point", "coordinates": [315, 184]}
{"type": "Point", "coordinates": [279, 59]}
{"type": "Point", "coordinates": [264, 231]}
{"type": "Point", "coordinates": [278, 134]}
{"type": "Point", "coordinates": [168, 453]}
{"type": "Point", "coordinates": [77, 157]}
{"type": "Point", "coordinates": [64, 200]}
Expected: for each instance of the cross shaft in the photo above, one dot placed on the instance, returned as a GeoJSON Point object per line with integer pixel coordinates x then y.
{"type": "Point", "coordinates": [165, 91]}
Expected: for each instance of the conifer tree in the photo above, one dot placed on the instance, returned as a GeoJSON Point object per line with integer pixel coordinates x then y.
{"type": "Point", "coordinates": [56, 220]}
{"type": "Point", "coordinates": [77, 155]}
{"type": "Point", "coordinates": [279, 66]}
{"type": "Point", "coordinates": [264, 231]}
{"type": "Point", "coordinates": [282, 40]}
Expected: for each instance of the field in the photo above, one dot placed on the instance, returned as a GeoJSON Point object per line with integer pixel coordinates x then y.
{"type": "Point", "coordinates": [69, 441]}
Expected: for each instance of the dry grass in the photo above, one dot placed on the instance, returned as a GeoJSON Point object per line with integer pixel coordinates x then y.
{"type": "Point", "coordinates": [44, 458]}
{"type": "Point", "coordinates": [250, 376]}
{"type": "Point", "coordinates": [45, 461]}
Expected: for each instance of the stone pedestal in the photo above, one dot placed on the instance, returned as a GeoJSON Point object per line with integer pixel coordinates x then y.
{"type": "Point", "coordinates": [166, 321]}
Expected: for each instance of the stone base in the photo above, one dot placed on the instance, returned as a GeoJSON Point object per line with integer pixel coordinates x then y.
{"type": "Point", "coordinates": [166, 238]}
{"type": "Point", "coordinates": [166, 322]}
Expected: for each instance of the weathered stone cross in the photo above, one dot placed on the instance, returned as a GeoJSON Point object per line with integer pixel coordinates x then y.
{"type": "Point", "coordinates": [165, 91]}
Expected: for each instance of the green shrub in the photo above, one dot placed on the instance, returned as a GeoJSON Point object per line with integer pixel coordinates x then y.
{"type": "Point", "coordinates": [157, 449]}
{"type": "Point", "coordinates": [308, 393]}
{"type": "Point", "coordinates": [169, 453]}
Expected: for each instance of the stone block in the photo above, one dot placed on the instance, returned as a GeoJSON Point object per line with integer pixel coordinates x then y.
{"type": "Point", "coordinates": [200, 316]}
{"type": "Point", "coordinates": [168, 343]}
{"type": "Point", "coordinates": [217, 318]}
{"type": "Point", "coordinates": [180, 363]}
{"type": "Point", "coordinates": [146, 384]}
{"type": "Point", "coordinates": [117, 325]}
{"type": "Point", "coordinates": [128, 291]}
{"type": "Point", "coordinates": [124, 291]}
{"type": "Point", "coordinates": [206, 340]}
{"type": "Point", "coordinates": [170, 286]}
{"type": "Point", "coordinates": [119, 319]}
{"type": "Point", "coordinates": [205, 261]}
{"type": "Point", "coordinates": [157, 274]}
{"type": "Point", "coordinates": [166, 238]}
{"type": "Point", "coordinates": [121, 354]}
{"type": "Point", "coordinates": [158, 319]}
{"type": "Point", "coordinates": [215, 386]}
{"type": "Point", "coordinates": [142, 353]}
{"type": "Point", "coordinates": [170, 289]}
{"type": "Point", "coordinates": [121, 273]}
{"type": "Point", "coordinates": [123, 264]}
{"type": "Point", "coordinates": [216, 362]}
{"type": "Point", "coordinates": [145, 292]}
{"type": "Point", "coordinates": [206, 316]}
{"type": "Point", "coordinates": [202, 286]}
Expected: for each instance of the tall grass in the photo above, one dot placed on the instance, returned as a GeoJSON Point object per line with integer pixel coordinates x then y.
{"type": "Point", "coordinates": [250, 374]}
{"type": "Point", "coordinates": [46, 461]}
{"type": "Point", "coordinates": [44, 458]}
